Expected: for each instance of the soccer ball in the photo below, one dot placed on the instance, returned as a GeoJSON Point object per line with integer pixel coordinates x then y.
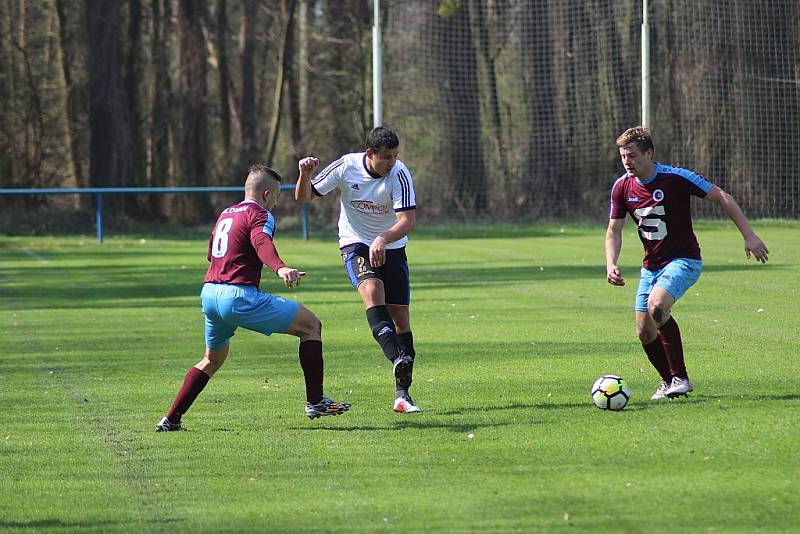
{"type": "Point", "coordinates": [610, 392]}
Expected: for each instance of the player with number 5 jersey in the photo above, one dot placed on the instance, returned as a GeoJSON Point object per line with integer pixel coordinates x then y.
{"type": "Point", "coordinates": [658, 199]}
{"type": "Point", "coordinates": [240, 244]}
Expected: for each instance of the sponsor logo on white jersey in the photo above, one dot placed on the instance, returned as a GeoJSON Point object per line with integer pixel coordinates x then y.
{"type": "Point", "coordinates": [367, 206]}
{"type": "Point", "coordinates": [355, 186]}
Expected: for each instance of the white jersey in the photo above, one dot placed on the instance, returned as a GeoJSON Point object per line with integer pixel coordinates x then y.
{"type": "Point", "coordinates": [369, 201]}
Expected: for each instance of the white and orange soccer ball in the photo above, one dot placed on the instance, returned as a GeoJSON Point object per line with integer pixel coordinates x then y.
{"type": "Point", "coordinates": [610, 392]}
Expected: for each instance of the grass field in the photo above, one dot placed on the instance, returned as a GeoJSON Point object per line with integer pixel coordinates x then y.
{"type": "Point", "coordinates": [512, 326]}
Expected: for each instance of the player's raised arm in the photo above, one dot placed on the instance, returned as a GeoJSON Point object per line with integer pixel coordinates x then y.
{"type": "Point", "coordinates": [307, 167]}
{"type": "Point", "coordinates": [752, 243]}
{"type": "Point", "coordinates": [613, 248]}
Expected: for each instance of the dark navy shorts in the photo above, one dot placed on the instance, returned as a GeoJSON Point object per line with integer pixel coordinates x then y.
{"type": "Point", "coordinates": [393, 273]}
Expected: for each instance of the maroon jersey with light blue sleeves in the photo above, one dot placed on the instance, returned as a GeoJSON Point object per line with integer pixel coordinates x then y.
{"type": "Point", "coordinates": [661, 207]}
{"type": "Point", "coordinates": [240, 244]}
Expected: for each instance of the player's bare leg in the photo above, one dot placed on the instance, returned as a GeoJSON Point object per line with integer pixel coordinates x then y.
{"type": "Point", "coordinates": [308, 328]}
{"type": "Point", "coordinates": [213, 360]}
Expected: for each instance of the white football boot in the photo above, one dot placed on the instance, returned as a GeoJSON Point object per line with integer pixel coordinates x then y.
{"type": "Point", "coordinates": [165, 425]}
{"type": "Point", "coordinates": [661, 391]}
{"type": "Point", "coordinates": [680, 386]}
{"type": "Point", "coordinates": [405, 404]}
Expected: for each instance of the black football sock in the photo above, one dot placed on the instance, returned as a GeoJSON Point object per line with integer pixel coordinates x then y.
{"type": "Point", "coordinates": [657, 356]}
{"type": "Point", "coordinates": [670, 336]}
{"type": "Point", "coordinates": [383, 331]}
{"type": "Point", "coordinates": [313, 369]}
{"type": "Point", "coordinates": [406, 342]}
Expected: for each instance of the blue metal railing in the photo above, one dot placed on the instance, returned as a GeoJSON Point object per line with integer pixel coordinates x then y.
{"type": "Point", "coordinates": [100, 191]}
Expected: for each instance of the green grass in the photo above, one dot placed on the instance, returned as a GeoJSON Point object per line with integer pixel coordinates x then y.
{"type": "Point", "coordinates": [512, 325]}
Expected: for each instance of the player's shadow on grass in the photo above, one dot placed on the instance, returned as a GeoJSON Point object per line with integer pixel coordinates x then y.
{"type": "Point", "coordinates": [39, 524]}
{"type": "Point", "coordinates": [419, 422]}
{"type": "Point", "coordinates": [533, 407]}
{"type": "Point", "coordinates": [747, 397]}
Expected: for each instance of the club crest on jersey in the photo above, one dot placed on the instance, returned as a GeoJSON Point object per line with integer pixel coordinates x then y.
{"type": "Point", "coordinates": [365, 206]}
{"type": "Point", "coordinates": [658, 195]}
{"type": "Point", "coordinates": [355, 186]}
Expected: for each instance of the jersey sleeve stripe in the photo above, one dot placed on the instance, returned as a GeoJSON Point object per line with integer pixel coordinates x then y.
{"type": "Point", "coordinates": [327, 170]}
{"type": "Point", "coordinates": [691, 176]}
{"type": "Point", "coordinates": [405, 189]}
{"type": "Point", "coordinates": [269, 225]}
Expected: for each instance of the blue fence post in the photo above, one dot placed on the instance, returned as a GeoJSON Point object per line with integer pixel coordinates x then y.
{"type": "Point", "coordinates": [99, 217]}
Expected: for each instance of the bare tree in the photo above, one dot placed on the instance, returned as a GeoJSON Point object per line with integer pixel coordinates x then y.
{"type": "Point", "coordinates": [540, 170]}
{"type": "Point", "coordinates": [69, 90]}
{"type": "Point", "coordinates": [247, 109]}
{"type": "Point", "coordinates": [224, 77]}
{"type": "Point", "coordinates": [283, 59]}
{"type": "Point", "coordinates": [110, 155]}
{"type": "Point", "coordinates": [294, 65]}
{"type": "Point", "coordinates": [459, 95]}
{"type": "Point", "coordinates": [192, 135]}
{"type": "Point", "coordinates": [161, 89]}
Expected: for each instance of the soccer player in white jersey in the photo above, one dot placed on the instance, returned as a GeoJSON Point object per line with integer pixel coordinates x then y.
{"type": "Point", "coordinates": [378, 210]}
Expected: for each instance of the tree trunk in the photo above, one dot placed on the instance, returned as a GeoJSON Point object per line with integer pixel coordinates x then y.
{"type": "Point", "coordinates": [224, 79]}
{"type": "Point", "coordinates": [283, 58]}
{"type": "Point", "coordinates": [247, 113]}
{"type": "Point", "coordinates": [110, 155]}
{"type": "Point", "coordinates": [192, 140]}
{"type": "Point", "coordinates": [541, 165]}
{"type": "Point", "coordinates": [70, 98]}
{"type": "Point", "coordinates": [159, 135]}
{"type": "Point", "coordinates": [133, 77]}
{"type": "Point", "coordinates": [293, 69]}
{"type": "Point", "coordinates": [459, 95]}
{"type": "Point", "coordinates": [480, 31]}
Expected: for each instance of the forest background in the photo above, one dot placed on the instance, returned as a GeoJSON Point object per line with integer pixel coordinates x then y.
{"type": "Point", "coordinates": [507, 110]}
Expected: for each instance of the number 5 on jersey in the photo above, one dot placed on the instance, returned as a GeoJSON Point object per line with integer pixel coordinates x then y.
{"type": "Point", "coordinates": [659, 224]}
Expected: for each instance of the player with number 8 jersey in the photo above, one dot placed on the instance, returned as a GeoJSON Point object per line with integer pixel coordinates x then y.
{"type": "Point", "coordinates": [658, 199]}
{"type": "Point", "coordinates": [240, 244]}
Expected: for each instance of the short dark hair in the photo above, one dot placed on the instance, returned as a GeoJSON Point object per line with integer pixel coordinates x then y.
{"type": "Point", "coordinates": [260, 168]}
{"type": "Point", "coordinates": [381, 137]}
{"type": "Point", "coordinates": [638, 135]}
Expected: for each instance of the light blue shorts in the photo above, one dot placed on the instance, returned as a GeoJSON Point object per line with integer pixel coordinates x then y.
{"type": "Point", "coordinates": [676, 277]}
{"type": "Point", "coordinates": [227, 307]}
